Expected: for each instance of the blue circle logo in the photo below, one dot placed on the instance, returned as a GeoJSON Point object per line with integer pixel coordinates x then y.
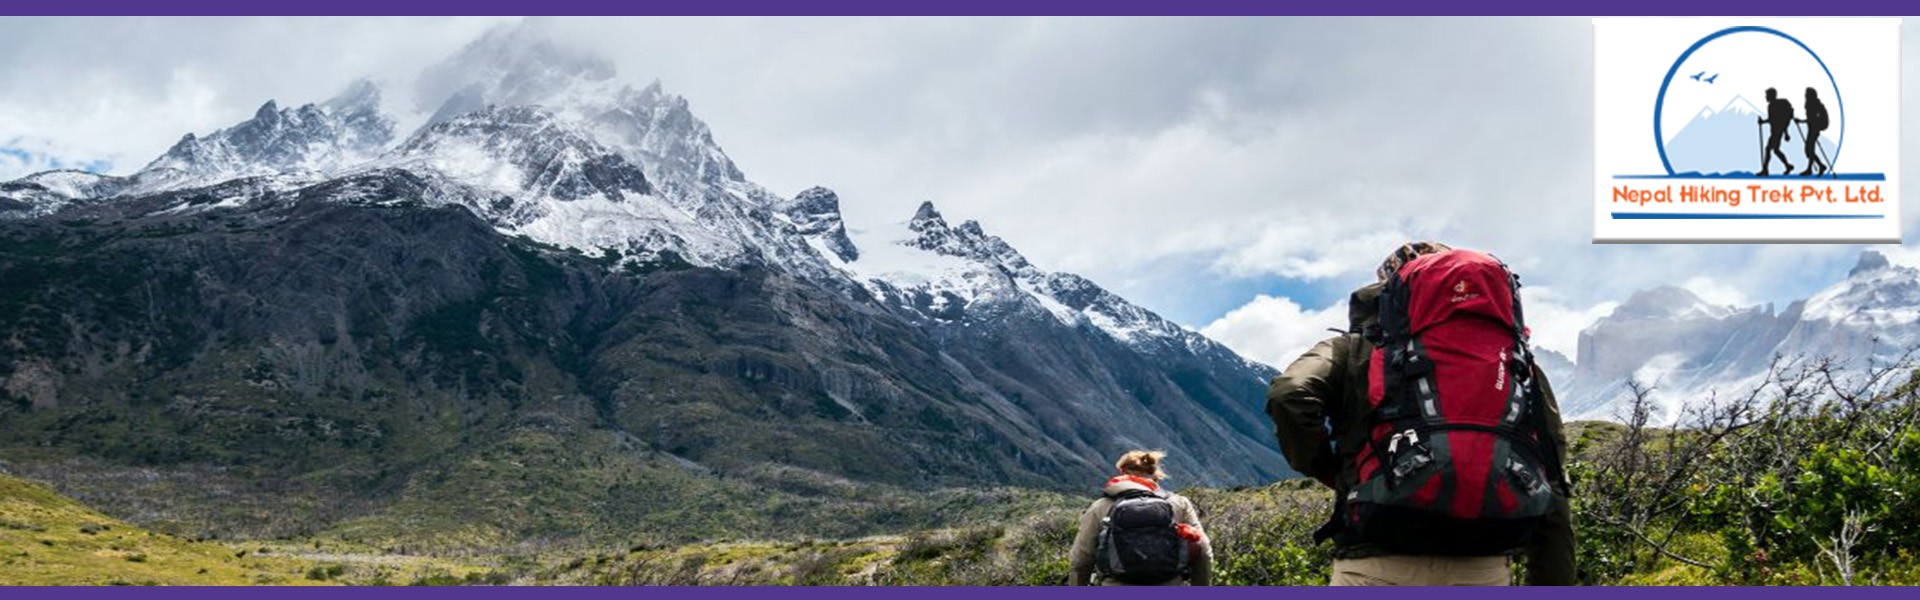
{"type": "Point", "coordinates": [1748, 101]}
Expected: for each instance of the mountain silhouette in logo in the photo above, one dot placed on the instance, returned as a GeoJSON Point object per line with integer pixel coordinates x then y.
{"type": "Point", "coordinates": [1726, 140]}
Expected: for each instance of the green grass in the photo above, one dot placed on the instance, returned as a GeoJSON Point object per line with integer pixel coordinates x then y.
{"type": "Point", "coordinates": [46, 539]}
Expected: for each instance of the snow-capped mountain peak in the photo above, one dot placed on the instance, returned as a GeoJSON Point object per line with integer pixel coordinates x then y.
{"type": "Point", "coordinates": [542, 139]}
{"type": "Point", "coordinates": [1875, 294]}
{"type": "Point", "coordinates": [524, 150]}
{"type": "Point", "coordinates": [1870, 262]}
{"type": "Point", "coordinates": [1689, 349]}
{"type": "Point", "coordinates": [511, 65]}
{"type": "Point", "coordinates": [1739, 105]}
{"type": "Point", "coordinates": [523, 65]}
{"type": "Point", "coordinates": [955, 273]}
{"type": "Point", "coordinates": [815, 214]}
{"type": "Point", "coordinates": [1668, 302]}
{"type": "Point", "coordinates": [969, 241]}
{"type": "Point", "coordinates": [311, 139]}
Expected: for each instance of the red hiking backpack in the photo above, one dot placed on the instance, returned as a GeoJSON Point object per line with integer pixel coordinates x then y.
{"type": "Point", "coordinates": [1455, 461]}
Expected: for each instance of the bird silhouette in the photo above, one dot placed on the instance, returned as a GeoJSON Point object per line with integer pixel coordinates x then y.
{"type": "Point", "coordinates": [1710, 79]}
{"type": "Point", "coordinates": [1696, 76]}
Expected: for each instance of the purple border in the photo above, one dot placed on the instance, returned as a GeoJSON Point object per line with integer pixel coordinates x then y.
{"type": "Point", "coordinates": [971, 7]}
{"type": "Point", "coordinates": [974, 7]}
{"type": "Point", "coordinates": [955, 593]}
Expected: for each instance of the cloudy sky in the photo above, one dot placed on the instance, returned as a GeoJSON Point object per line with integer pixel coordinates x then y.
{"type": "Point", "coordinates": [1236, 175]}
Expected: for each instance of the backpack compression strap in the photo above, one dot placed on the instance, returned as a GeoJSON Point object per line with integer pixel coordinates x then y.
{"type": "Point", "coordinates": [1529, 400]}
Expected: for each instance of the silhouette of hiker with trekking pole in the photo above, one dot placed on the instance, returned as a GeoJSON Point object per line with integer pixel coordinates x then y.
{"type": "Point", "coordinates": [1816, 122]}
{"type": "Point", "coordinates": [1779, 117]}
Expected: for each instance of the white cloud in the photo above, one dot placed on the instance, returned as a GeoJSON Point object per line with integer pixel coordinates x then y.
{"type": "Point", "coordinates": [1715, 292]}
{"type": "Point", "coordinates": [122, 90]}
{"type": "Point", "coordinates": [1557, 326]}
{"type": "Point", "coordinates": [1274, 330]}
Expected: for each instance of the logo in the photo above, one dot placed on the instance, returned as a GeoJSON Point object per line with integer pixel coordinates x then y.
{"type": "Point", "coordinates": [1460, 293]}
{"type": "Point", "coordinates": [1748, 130]}
{"type": "Point", "coordinates": [1500, 378]}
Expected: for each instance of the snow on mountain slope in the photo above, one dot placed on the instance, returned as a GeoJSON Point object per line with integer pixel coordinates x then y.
{"type": "Point", "coordinates": [1688, 349]}
{"type": "Point", "coordinates": [1670, 338]}
{"type": "Point", "coordinates": [312, 141]}
{"type": "Point", "coordinates": [522, 66]}
{"type": "Point", "coordinates": [48, 192]}
{"type": "Point", "coordinates": [523, 150]}
{"type": "Point", "coordinates": [955, 273]}
{"type": "Point", "coordinates": [815, 215]}
{"type": "Point", "coordinates": [545, 141]}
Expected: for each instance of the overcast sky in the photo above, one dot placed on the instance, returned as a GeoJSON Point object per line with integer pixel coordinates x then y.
{"type": "Point", "coordinates": [1236, 175]}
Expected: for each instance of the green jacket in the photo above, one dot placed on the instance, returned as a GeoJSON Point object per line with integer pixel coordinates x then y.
{"type": "Point", "coordinates": [1319, 400]}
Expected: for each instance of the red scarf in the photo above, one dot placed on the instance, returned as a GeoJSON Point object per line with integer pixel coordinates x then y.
{"type": "Point", "coordinates": [1151, 484]}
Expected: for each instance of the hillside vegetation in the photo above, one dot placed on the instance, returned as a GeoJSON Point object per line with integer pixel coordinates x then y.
{"type": "Point", "coordinates": [1811, 480]}
{"type": "Point", "coordinates": [47, 539]}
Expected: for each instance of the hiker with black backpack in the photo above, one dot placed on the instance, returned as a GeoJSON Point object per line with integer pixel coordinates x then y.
{"type": "Point", "coordinates": [1816, 122]}
{"type": "Point", "coordinates": [1139, 534]}
{"type": "Point", "coordinates": [1779, 118]}
{"type": "Point", "coordinates": [1437, 432]}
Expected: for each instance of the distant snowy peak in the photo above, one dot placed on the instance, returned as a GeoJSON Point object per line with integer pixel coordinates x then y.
{"type": "Point", "coordinates": [514, 65]}
{"type": "Point", "coordinates": [523, 66]}
{"type": "Point", "coordinates": [660, 129]}
{"type": "Point", "coordinates": [364, 128]}
{"type": "Point", "coordinates": [1870, 261]}
{"type": "Point", "coordinates": [1669, 303]}
{"type": "Point", "coordinates": [815, 214]}
{"type": "Point", "coordinates": [1558, 368]}
{"type": "Point", "coordinates": [1689, 349]}
{"type": "Point", "coordinates": [967, 241]}
{"type": "Point", "coordinates": [1876, 293]}
{"type": "Point", "coordinates": [69, 184]}
{"type": "Point", "coordinates": [961, 273]}
{"type": "Point", "coordinates": [1739, 105]}
{"type": "Point", "coordinates": [523, 150]}
{"type": "Point", "coordinates": [309, 139]}
{"type": "Point", "coordinates": [48, 192]}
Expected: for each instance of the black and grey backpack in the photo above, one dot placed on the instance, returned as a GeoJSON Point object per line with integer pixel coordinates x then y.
{"type": "Point", "coordinates": [1140, 541]}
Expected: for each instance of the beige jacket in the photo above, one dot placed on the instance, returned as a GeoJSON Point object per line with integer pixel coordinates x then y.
{"type": "Point", "coordinates": [1080, 560]}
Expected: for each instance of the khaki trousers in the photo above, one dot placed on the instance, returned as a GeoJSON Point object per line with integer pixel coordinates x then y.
{"type": "Point", "coordinates": [1422, 570]}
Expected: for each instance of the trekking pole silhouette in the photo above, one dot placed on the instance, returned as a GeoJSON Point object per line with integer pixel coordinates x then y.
{"type": "Point", "coordinates": [1825, 159]}
{"type": "Point", "coordinates": [1760, 139]}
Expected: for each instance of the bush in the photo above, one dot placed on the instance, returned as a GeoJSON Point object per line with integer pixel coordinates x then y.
{"type": "Point", "coordinates": [1811, 478]}
{"type": "Point", "coordinates": [326, 572]}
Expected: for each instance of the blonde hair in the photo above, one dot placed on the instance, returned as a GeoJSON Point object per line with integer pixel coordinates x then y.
{"type": "Point", "coordinates": [1143, 463]}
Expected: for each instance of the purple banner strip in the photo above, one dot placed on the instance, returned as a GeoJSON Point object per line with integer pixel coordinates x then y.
{"type": "Point", "coordinates": [972, 7]}
{"type": "Point", "coordinates": [954, 593]}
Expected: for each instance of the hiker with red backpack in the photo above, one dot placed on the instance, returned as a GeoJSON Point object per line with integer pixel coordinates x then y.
{"type": "Point", "coordinates": [1139, 534]}
{"type": "Point", "coordinates": [1439, 436]}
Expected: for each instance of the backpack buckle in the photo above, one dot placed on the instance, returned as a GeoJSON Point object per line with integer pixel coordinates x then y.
{"type": "Point", "coordinates": [1393, 444]}
{"type": "Point", "coordinates": [1400, 469]}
